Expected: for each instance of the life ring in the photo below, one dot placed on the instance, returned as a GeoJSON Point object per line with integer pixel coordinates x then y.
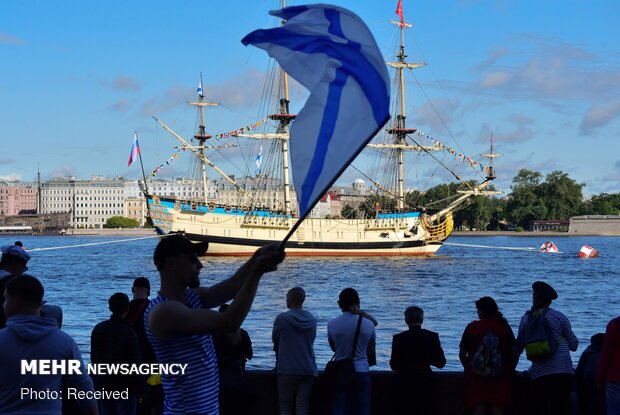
{"type": "Point", "coordinates": [211, 207]}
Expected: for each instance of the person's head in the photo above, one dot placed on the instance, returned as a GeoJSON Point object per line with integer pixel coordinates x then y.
{"type": "Point", "coordinates": [487, 307]}
{"type": "Point", "coordinates": [542, 295]}
{"type": "Point", "coordinates": [14, 259]}
{"type": "Point", "coordinates": [175, 256]}
{"type": "Point", "coordinates": [597, 340]}
{"type": "Point", "coordinates": [141, 288]}
{"type": "Point", "coordinates": [348, 298]}
{"type": "Point", "coordinates": [52, 311]}
{"type": "Point", "coordinates": [414, 316]}
{"type": "Point", "coordinates": [119, 304]}
{"type": "Point", "coordinates": [23, 295]}
{"type": "Point", "coordinates": [295, 297]}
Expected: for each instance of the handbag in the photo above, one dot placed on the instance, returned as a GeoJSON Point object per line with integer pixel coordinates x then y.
{"type": "Point", "coordinates": [340, 374]}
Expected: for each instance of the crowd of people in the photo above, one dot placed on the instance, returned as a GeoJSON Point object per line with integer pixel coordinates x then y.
{"type": "Point", "coordinates": [200, 326]}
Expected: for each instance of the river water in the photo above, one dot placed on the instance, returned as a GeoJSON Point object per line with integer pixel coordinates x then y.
{"type": "Point", "coordinates": [81, 279]}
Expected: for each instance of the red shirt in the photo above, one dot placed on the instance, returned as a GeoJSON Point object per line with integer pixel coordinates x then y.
{"type": "Point", "coordinates": [608, 369]}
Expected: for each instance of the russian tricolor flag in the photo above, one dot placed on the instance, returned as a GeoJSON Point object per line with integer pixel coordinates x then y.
{"type": "Point", "coordinates": [135, 150]}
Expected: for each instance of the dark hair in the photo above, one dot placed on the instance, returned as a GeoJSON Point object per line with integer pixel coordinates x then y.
{"type": "Point", "coordinates": [296, 295]}
{"type": "Point", "coordinates": [487, 306]}
{"type": "Point", "coordinates": [142, 282]}
{"type": "Point", "coordinates": [488, 309]}
{"type": "Point", "coordinates": [119, 303]}
{"type": "Point", "coordinates": [27, 288]}
{"type": "Point", "coordinates": [347, 298]}
{"type": "Point", "coordinates": [414, 314]}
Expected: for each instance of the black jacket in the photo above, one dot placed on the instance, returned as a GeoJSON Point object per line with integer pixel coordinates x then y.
{"type": "Point", "coordinates": [416, 350]}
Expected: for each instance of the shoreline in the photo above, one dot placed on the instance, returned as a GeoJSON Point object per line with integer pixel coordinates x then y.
{"type": "Point", "coordinates": [151, 231]}
{"type": "Point", "coordinates": [529, 233]}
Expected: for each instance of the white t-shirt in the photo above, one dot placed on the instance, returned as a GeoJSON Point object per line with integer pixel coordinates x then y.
{"type": "Point", "coordinates": [341, 331]}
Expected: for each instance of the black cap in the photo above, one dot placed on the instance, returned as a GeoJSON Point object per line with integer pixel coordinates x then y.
{"type": "Point", "coordinates": [174, 245]}
{"type": "Point", "coordinates": [544, 291]}
{"type": "Point", "coordinates": [142, 282]}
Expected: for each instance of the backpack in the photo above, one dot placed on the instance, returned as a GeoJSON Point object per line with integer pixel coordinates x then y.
{"type": "Point", "coordinates": [487, 360]}
{"type": "Point", "coordinates": [538, 339]}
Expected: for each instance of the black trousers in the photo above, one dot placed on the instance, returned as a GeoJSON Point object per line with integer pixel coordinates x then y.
{"type": "Point", "coordinates": [550, 395]}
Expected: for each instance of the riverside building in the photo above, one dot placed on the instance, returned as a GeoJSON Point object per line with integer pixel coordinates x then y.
{"type": "Point", "coordinates": [17, 198]}
{"type": "Point", "coordinates": [90, 202]}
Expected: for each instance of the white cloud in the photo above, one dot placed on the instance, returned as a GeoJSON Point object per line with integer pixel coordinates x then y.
{"type": "Point", "coordinates": [598, 116]}
{"type": "Point", "coordinates": [496, 79]}
{"type": "Point", "coordinates": [11, 177]}
{"type": "Point", "coordinates": [62, 171]}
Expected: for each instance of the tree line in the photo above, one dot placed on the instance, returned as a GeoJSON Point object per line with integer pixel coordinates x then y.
{"type": "Point", "coordinates": [556, 197]}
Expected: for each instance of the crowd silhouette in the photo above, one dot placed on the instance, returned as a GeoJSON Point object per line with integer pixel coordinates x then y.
{"type": "Point", "coordinates": [179, 325]}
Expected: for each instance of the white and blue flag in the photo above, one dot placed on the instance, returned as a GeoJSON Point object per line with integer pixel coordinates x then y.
{"type": "Point", "coordinates": [199, 90]}
{"type": "Point", "coordinates": [259, 158]}
{"type": "Point", "coordinates": [331, 52]}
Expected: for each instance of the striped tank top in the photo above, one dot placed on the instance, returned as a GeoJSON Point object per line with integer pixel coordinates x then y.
{"type": "Point", "coordinates": [195, 392]}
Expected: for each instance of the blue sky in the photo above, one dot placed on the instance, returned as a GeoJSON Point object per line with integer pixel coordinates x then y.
{"type": "Point", "coordinates": [78, 78]}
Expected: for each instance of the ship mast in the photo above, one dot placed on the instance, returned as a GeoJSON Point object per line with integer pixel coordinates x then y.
{"type": "Point", "coordinates": [284, 119]}
{"type": "Point", "coordinates": [400, 130]}
{"type": "Point", "coordinates": [201, 135]}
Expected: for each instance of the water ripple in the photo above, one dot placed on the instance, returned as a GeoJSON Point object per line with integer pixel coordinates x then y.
{"type": "Point", "coordinates": [446, 286]}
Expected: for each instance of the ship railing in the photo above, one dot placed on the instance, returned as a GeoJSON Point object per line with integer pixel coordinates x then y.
{"type": "Point", "coordinates": [438, 231]}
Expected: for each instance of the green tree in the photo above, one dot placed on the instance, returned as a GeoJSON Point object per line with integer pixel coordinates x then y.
{"type": "Point", "coordinates": [478, 213]}
{"type": "Point", "coordinates": [121, 222]}
{"type": "Point", "coordinates": [348, 212]}
{"type": "Point", "coordinates": [604, 204]}
{"type": "Point", "coordinates": [561, 195]}
{"type": "Point", "coordinates": [498, 213]}
{"type": "Point", "coordinates": [524, 204]}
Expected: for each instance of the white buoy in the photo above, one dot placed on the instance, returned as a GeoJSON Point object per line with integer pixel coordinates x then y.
{"type": "Point", "coordinates": [549, 247]}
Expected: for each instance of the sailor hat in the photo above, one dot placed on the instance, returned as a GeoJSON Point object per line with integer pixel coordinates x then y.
{"type": "Point", "coordinates": [16, 251]}
{"type": "Point", "coordinates": [544, 291]}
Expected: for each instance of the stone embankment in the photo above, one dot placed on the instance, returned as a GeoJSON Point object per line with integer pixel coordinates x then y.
{"type": "Point", "coordinates": [449, 396]}
{"type": "Point", "coordinates": [112, 232]}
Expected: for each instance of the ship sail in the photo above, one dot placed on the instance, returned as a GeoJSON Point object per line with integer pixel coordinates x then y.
{"type": "Point", "coordinates": [265, 210]}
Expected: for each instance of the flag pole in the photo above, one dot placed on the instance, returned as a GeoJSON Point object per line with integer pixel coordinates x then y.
{"type": "Point", "coordinates": [146, 188]}
{"type": "Point", "coordinates": [149, 220]}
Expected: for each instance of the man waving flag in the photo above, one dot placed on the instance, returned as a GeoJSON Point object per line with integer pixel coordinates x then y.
{"type": "Point", "coordinates": [331, 52]}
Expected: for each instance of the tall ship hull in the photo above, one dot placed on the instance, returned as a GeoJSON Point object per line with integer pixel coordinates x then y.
{"type": "Point", "coordinates": [235, 232]}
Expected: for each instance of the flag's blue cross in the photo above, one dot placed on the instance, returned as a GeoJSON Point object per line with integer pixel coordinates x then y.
{"type": "Point", "coordinates": [354, 64]}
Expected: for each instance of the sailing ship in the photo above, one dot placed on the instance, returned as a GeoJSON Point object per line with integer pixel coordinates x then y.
{"type": "Point", "coordinates": [238, 228]}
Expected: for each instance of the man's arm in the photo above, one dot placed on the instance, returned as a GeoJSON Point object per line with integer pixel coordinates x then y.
{"type": "Point", "coordinates": [439, 358]}
{"type": "Point", "coordinates": [81, 382]}
{"type": "Point", "coordinates": [173, 318]}
{"type": "Point", "coordinates": [225, 290]}
{"type": "Point", "coordinates": [275, 335]}
{"type": "Point", "coordinates": [395, 357]}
